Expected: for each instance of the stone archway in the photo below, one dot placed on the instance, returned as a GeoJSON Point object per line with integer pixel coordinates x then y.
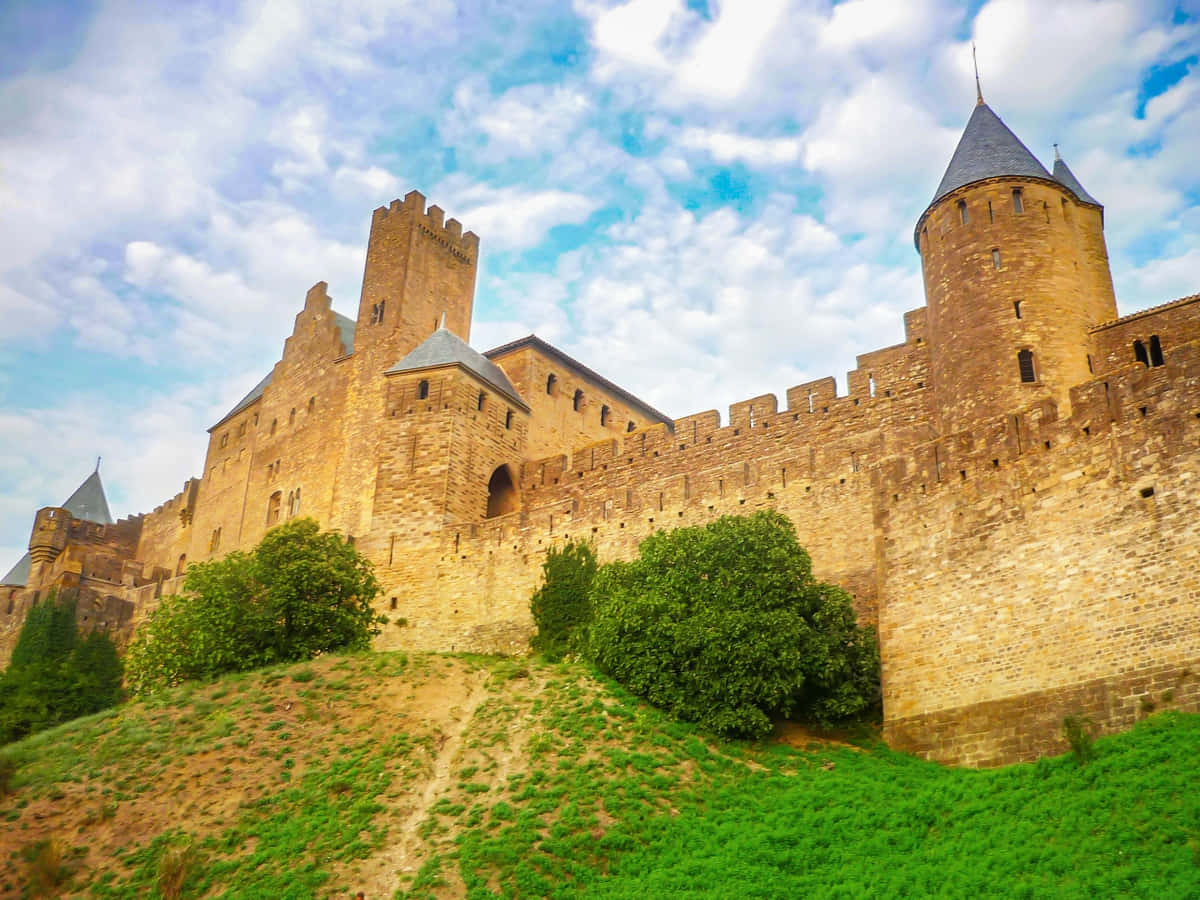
{"type": "Point", "coordinates": [502, 493]}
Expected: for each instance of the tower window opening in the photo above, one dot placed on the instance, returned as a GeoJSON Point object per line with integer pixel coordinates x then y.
{"type": "Point", "coordinates": [871, 384]}
{"type": "Point", "coordinates": [423, 390]}
{"type": "Point", "coordinates": [603, 415]}
{"type": "Point", "coordinates": [577, 401]}
{"type": "Point", "coordinates": [962, 212]}
{"type": "Point", "coordinates": [508, 419]}
{"type": "Point", "coordinates": [1018, 201]}
{"type": "Point", "coordinates": [1091, 369]}
{"type": "Point", "coordinates": [1139, 353]}
{"type": "Point", "coordinates": [274, 504]}
{"type": "Point", "coordinates": [551, 384]}
{"type": "Point", "coordinates": [995, 259]}
{"type": "Point", "coordinates": [1025, 364]}
{"type": "Point", "coordinates": [274, 423]}
{"type": "Point", "coordinates": [1017, 308]}
{"type": "Point", "coordinates": [214, 543]}
{"type": "Point", "coordinates": [631, 426]}
{"type": "Point", "coordinates": [991, 214]}
{"type": "Point", "coordinates": [292, 416]}
{"type": "Point", "coordinates": [479, 401]}
{"type": "Point", "coordinates": [312, 404]}
{"type": "Point", "coordinates": [502, 493]}
{"type": "Point", "coordinates": [1156, 354]}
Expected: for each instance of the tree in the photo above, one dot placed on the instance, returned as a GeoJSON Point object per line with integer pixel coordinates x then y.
{"type": "Point", "coordinates": [54, 676]}
{"type": "Point", "coordinates": [560, 606]}
{"type": "Point", "coordinates": [299, 593]}
{"type": "Point", "coordinates": [725, 625]}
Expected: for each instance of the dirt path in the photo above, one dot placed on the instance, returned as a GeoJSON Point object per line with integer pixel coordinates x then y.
{"type": "Point", "coordinates": [406, 850]}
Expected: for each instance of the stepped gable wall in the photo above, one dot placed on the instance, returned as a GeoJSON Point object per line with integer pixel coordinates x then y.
{"type": "Point", "coordinates": [277, 457]}
{"type": "Point", "coordinates": [1038, 567]}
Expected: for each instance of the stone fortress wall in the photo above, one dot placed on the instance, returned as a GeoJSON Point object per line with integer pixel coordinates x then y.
{"type": "Point", "coordinates": [1008, 493]}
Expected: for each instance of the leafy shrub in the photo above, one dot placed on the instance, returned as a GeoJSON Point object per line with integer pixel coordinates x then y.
{"type": "Point", "coordinates": [50, 866]}
{"type": "Point", "coordinates": [560, 606]}
{"type": "Point", "coordinates": [725, 625]}
{"type": "Point", "coordinates": [54, 676]}
{"type": "Point", "coordinates": [299, 593]}
{"type": "Point", "coordinates": [1079, 733]}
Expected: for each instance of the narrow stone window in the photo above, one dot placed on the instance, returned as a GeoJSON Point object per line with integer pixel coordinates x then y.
{"type": "Point", "coordinates": [811, 404]}
{"type": "Point", "coordinates": [255, 422]}
{"type": "Point", "coordinates": [1139, 353]}
{"type": "Point", "coordinates": [871, 384]}
{"type": "Point", "coordinates": [1089, 362]}
{"type": "Point", "coordinates": [577, 401]}
{"type": "Point", "coordinates": [423, 390]}
{"type": "Point", "coordinates": [214, 543]}
{"type": "Point", "coordinates": [1018, 201]}
{"type": "Point", "coordinates": [962, 212]}
{"type": "Point", "coordinates": [312, 405]}
{"type": "Point", "coordinates": [181, 566]}
{"type": "Point", "coordinates": [274, 504]}
{"type": "Point", "coordinates": [479, 401]}
{"type": "Point", "coordinates": [995, 259]}
{"type": "Point", "coordinates": [991, 214]}
{"type": "Point", "coordinates": [603, 416]}
{"type": "Point", "coordinates": [274, 423]}
{"type": "Point", "coordinates": [552, 384]}
{"type": "Point", "coordinates": [292, 416]}
{"type": "Point", "coordinates": [1156, 354]}
{"type": "Point", "coordinates": [1017, 308]}
{"type": "Point", "coordinates": [630, 426]}
{"type": "Point", "coordinates": [508, 419]}
{"type": "Point", "coordinates": [853, 461]}
{"type": "Point", "coordinates": [225, 439]}
{"type": "Point", "coordinates": [1025, 365]}
{"type": "Point", "coordinates": [393, 603]}
{"type": "Point", "coordinates": [242, 430]}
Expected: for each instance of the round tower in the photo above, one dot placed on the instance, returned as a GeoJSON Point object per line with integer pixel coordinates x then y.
{"type": "Point", "coordinates": [1016, 272]}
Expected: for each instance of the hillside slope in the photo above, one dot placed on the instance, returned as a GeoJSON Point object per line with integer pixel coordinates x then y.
{"type": "Point", "coordinates": [436, 776]}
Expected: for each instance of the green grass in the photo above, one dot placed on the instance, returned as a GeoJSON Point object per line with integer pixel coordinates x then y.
{"type": "Point", "coordinates": [621, 802]}
{"type": "Point", "coordinates": [566, 786]}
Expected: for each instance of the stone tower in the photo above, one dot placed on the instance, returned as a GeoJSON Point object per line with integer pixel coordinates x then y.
{"type": "Point", "coordinates": [419, 277]}
{"type": "Point", "coordinates": [1016, 271]}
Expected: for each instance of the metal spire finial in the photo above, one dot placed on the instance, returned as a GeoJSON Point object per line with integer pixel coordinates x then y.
{"type": "Point", "coordinates": [978, 89]}
{"type": "Point", "coordinates": [1057, 155]}
{"type": "Point", "coordinates": [97, 465]}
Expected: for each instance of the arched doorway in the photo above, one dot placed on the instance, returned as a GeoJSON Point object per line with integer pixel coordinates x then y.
{"type": "Point", "coordinates": [502, 493]}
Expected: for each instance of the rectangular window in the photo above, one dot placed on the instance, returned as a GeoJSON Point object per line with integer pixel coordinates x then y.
{"type": "Point", "coordinates": [1017, 308]}
{"type": "Point", "coordinates": [1018, 204]}
{"type": "Point", "coordinates": [996, 259]}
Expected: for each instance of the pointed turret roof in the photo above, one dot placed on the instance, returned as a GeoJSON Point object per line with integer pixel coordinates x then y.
{"type": "Point", "coordinates": [987, 149]}
{"type": "Point", "coordinates": [445, 348]}
{"type": "Point", "coordinates": [88, 503]}
{"type": "Point", "coordinates": [1067, 179]}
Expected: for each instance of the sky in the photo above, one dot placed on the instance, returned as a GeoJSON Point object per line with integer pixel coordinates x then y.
{"type": "Point", "coordinates": [703, 201]}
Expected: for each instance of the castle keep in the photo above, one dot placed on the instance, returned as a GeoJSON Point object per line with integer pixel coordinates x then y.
{"type": "Point", "coordinates": [1010, 493]}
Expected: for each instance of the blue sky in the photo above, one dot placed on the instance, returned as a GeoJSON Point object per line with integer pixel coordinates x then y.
{"type": "Point", "coordinates": [703, 201]}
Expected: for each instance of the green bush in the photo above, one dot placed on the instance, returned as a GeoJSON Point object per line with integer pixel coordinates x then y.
{"type": "Point", "coordinates": [725, 625]}
{"type": "Point", "coordinates": [299, 593]}
{"type": "Point", "coordinates": [560, 606]}
{"type": "Point", "coordinates": [53, 675]}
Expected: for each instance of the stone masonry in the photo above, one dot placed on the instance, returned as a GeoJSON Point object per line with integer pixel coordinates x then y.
{"type": "Point", "coordinates": [1010, 493]}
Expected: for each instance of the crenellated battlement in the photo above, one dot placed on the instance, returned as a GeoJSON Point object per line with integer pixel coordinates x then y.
{"type": "Point", "coordinates": [432, 223]}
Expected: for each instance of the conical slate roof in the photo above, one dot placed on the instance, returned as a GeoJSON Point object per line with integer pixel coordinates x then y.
{"type": "Point", "coordinates": [87, 503]}
{"type": "Point", "coordinates": [444, 348]}
{"type": "Point", "coordinates": [987, 149]}
{"type": "Point", "coordinates": [1067, 179]}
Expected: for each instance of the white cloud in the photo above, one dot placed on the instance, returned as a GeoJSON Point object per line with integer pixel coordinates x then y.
{"type": "Point", "coordinates": [515, 219]}
{"type": "Point", "coordinates": [727, 147]}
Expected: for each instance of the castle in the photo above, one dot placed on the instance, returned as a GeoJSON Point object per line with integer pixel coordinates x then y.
{"type": "Point", "coordinates": [1010, 494]}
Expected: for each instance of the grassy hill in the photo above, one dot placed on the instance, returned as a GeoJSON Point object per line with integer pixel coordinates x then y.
{"type": "Point", "coordinates": [437, 776]}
